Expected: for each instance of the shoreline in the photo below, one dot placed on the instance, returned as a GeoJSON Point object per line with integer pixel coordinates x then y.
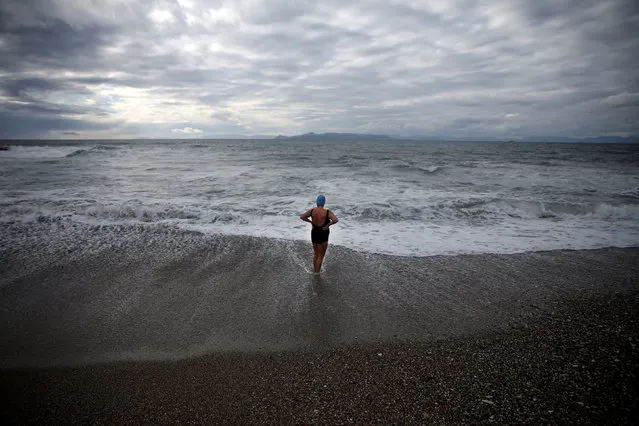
{"type": "Point", "coordinates": [84, 297]}
{"type": "Point", "coordinates": [577, 365]}
{"type": "Point", "coordinates": [42, 224]}
{"type": "Point", "coordinates": [132, 325]}
{"type": "Point", "coordinates": [12, 234]}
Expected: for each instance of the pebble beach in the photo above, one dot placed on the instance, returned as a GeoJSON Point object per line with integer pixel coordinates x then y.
{"type": "Point", "coordinates": [153, 327]}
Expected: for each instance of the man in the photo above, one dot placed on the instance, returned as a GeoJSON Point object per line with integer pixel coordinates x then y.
{"type": "Point", "coordinates": [321, 219]}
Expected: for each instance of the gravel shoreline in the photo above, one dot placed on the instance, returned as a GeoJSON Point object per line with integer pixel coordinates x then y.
{"type": "Point", "coordinates": [129, 325]}
{"type": "Point", "coordinates": [575, 364]}
{"type": "Point", "coordinates": [84, 296]}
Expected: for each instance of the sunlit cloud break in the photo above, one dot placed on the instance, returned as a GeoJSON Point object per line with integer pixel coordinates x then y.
{"type": "Point", "coordinates": [188, 131]}
{"type": "Point", "coordinates": [461, 69]}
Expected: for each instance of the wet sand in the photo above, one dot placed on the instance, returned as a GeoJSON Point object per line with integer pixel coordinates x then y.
{"type": "Point", "coordinates": [576, 366]}
{"type": "Point", "coordinates": [130, 325]}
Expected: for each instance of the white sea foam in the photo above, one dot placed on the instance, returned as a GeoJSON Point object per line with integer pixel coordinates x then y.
{"type": "Point", "coordinates": [390, 199]}
{"type": "Point", "coordinates": [38, 152]}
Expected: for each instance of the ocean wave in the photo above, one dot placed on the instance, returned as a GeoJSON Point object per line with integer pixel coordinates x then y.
{"type": "Point", "coordinates": [406, 167]}
{"type": "Point", "coordinates": [53, 152]}
{"type": "Point", "coordinates": [430, 169]}
{"type": "Point", "coordinates": [630, 193]}
{"type": "Point", "coordinates": [385, 213]}
{"type": "Point", "coordinates": [77, 153]}
{"type": "Point", "coordinates": [117, 214]}
{"type": "Point", "coordinates": [476, 211]}
{"type": "Point", "coordinates": [554, 162]}
{"type": "Point", "coordinates": [545, 210]}
{"type": "Point", "coordinates": [140, 213]}
{"type": "Point", "coordinates": [106, 148]}
{"type": "Point", "coordinates": [39, 152]}
{"type": "Point", "coordinates": [91, 150]}
{"type": "Point", "coordinates": [228, 218]}
{"type": "Point", "coordinates": [492, 209]}
{"type": "Point", "coordinates": [467, 164]}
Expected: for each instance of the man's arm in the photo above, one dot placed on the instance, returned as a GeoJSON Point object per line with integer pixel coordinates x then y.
{"type": "Point", "coordinates": [304, 216]}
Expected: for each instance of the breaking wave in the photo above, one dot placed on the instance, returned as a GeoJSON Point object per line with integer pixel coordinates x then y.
{"type": "Point", "coordinates": [419, 198]}
{"type": "Point", "coordinates": [495, 209]}
{"type": "Point", "coordinates": [53, 152]}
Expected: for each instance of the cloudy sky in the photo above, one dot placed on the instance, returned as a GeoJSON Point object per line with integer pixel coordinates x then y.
{"type": "Point", "coordinates": [196, 68]}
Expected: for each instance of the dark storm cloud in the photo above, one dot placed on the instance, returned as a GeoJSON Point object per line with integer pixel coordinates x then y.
{"type": "Point", "coordinates": [20, 87]}
{"type": "Point", "coordinates": [34, 126]}
{"type": "Point", "coordinates": [26, 89]}
{"type": "Point", "coordinates": [26, 111]}
{"type": "Point", "coordinates": [498, 68]}
{"type": "Point", "coordinates": [51, 47]}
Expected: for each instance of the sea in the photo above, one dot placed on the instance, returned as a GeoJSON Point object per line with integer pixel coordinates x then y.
{"type": "Point", "coordinates": [398, 197]}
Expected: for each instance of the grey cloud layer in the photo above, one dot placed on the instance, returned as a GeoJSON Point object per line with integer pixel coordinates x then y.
{"type": "Point", "coordinates": [462, 69]}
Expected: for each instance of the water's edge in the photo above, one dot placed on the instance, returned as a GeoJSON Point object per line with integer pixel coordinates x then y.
{"type": "Point", "coordinates": [143, 294]}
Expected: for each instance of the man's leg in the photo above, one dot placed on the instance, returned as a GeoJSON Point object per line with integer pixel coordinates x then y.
{"type": "Point", "coordinates": [320, 255]}
{"type": "Point", "coordinates": [315, 256]}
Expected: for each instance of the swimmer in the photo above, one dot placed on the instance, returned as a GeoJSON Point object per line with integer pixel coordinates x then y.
{"type": "Point", "coordinates": [321, 219]}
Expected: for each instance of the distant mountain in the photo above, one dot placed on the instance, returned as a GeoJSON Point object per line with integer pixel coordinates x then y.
{"type": "Point", "coordinates": [558, 139]}
{"type": "Point", "coordinates": [221, 136]}
{"type": "Point", "coordinates": [598, 139]}
{"type": "Point", "coordinates": [333, 136]}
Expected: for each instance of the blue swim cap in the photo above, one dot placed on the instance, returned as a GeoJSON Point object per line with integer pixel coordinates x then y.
{"type": "Point", "coordinates": [321, 200]}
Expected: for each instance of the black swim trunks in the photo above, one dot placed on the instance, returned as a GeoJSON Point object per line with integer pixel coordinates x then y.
{"type": "Point", "coordinates": [319, 235]}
